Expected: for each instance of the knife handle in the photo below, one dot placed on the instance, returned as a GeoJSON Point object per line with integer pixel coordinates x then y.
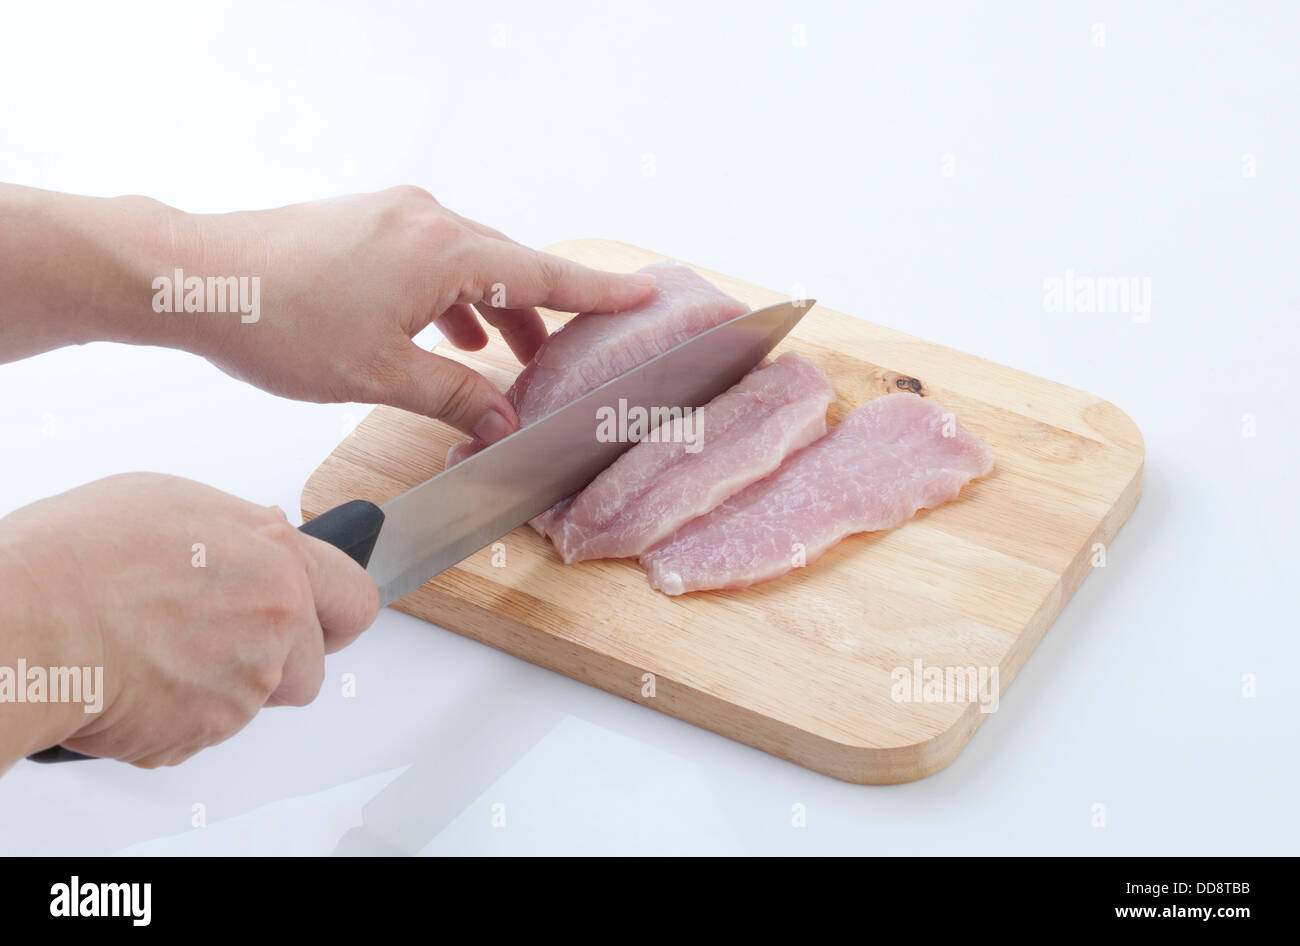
{"type": "Point", "coordinates": [57, 754]}
{"type": "Point", "coordinates": [351, 528]}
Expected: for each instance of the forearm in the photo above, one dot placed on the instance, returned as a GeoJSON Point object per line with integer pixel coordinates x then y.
{"type": "Point", "coordinates": [39, 630]}
{"type": "Point", "coordinates": [79, 269]}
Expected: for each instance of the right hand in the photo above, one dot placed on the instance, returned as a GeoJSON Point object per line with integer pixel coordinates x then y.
{"type": "Point", "coordinates": [190, 651]}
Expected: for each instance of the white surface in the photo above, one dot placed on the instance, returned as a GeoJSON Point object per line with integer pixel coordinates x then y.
{"type": "Point", "coordinates": [819, 166]}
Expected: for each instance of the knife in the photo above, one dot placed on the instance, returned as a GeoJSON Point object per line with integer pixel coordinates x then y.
{"type": "Point", "coordinates": [431, 527]}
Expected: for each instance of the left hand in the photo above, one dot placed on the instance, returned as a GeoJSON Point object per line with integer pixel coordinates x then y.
{"type": "Point", "coordinates": [346, 283]}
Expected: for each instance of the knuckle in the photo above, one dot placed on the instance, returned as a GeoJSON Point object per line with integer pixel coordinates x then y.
{"type": "Point", "coordinates": [413, 214]}
{"type": "Point", "coordinates": [455, 392]}
{"type": "Point", "coordinates": [265, 677]}
{"type": "Point", "coordinates": [435, 233]}
{"type": "Point", "coordinates": [279, 531]}
{"type": "Point", "coordinates": [275, 615]}
{"type": "Point", "coordinates": [411, 192]}
{"type": "Point", "coordinates": [274, 516]}
{"type": "Point", "coordinates": [550, 270]}
{"type": "Point", "coordinates": [470, 291]}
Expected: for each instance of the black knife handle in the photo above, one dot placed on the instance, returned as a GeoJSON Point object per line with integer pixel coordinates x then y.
{"type": "Point", "coordinates": [57, 754]}
{"type": "Point", "coordinates": [353, 528]}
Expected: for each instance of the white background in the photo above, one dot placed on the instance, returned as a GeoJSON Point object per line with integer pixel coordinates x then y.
{"type": "Point", "coordinates": [818, 164]}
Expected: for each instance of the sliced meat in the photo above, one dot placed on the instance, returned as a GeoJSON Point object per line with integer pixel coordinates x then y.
{"type": "Point", "coordinates": [694, 464]}
{"type": "Point", "coordinates": [592, 348]}
{"type": "Point", "coordinates": [886, 460]}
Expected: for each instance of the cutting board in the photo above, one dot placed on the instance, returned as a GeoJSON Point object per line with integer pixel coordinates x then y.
{"type": "Point", "coordinates": [866, 664]}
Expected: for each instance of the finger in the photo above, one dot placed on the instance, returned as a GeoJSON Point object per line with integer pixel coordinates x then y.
{"type": "Point", "coordinates": [165, 758]}
{"type": "Point", "coordinates": [463, 451]}
{"type": "Point", "coordinates": [347, 600]}
{"type": "Point", "coordinates": [523, 329]}
{"type": "Point", "coordinates": [461, 326]}
{"type": "Point", "coordinates": [528, 278]}
{"type": "Point", "coordinates": [303, 671]}
{"type": "Point", "coordinates": [439, 387]}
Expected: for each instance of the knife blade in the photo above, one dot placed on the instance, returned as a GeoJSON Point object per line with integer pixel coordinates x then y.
{"type": "Point", "coordinates": [419, 534]}
{"type": "Point", "coordinates": [447, 518]}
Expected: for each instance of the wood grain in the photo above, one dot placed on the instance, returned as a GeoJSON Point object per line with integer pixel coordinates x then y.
{"type": "Point", "coordinates": [801, 667]}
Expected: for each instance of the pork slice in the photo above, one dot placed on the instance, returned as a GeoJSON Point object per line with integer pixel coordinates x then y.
{"type": "Point", "coordinates": [695, 463]}
{"type": "Point", "coordinates": [886, 460]}
{"type": "Point", "coordinates": [592, 348]}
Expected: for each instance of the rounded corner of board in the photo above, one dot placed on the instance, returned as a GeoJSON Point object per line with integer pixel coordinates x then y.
{"type": "Point", "coordinates": [896, 765]}
{"type": "Point", "coordinates": [1120, 428]}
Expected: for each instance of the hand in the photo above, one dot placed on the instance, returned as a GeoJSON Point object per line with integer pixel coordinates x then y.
{"type": "Point", "coordinates": [200, 607]}
{"type": "Point", "coordinates": [346, 283]}
{"type": "Point", "coordinates": [343, 285]}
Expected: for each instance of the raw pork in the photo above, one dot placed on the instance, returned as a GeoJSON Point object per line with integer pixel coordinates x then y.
{"type": "Point", "coordinates": [886, 460]}
{"type": "Point", "coordinates": [694, 464]}
{"type": "Point", "coordinates": [592, 348]}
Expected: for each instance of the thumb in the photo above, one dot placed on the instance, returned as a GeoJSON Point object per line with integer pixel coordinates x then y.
{"type": "Point", "coordinates": [438, 387]}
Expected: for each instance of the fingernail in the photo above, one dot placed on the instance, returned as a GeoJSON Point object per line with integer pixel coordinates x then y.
{"type": "Point", "coordinates": [641, 279]}
{"type": "Point", "coordinates": [492, 427]}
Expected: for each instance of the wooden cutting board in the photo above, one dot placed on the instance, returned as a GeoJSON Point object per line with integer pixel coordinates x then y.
{"type": "Point", "coordinates": [816, 667]}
